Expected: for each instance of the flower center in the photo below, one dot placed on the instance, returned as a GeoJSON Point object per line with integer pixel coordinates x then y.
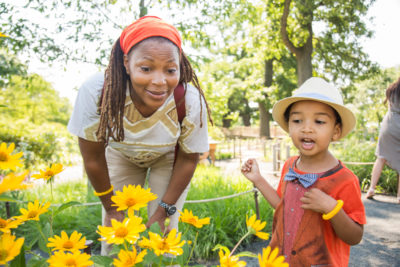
{"type": "Point", "coordinates": [70, 262]}
{"type": "Point", "coordinates": [3, 255]}
{"type": "Point", "coordinates": [68, 244]}
{"type": "Point", "coordinates": [32, 214]}
{"type": "Point", "coordinates": [49, 173]}
{"type": "Point", "coordinates": [3, 223]}
{"type": "Point", "coordinates": [121, 232]}
{"type": "Point", "coordinates": [130, 202]}
{"type": "Point", "coordinates": [3, 156]}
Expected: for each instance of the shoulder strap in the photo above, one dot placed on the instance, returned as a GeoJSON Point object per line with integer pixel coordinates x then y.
{"type": "Point", "coordinates": [179, 96]}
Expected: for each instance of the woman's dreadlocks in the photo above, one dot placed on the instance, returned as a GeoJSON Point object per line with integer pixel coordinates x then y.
{"type": "Point", "coordinates": [112, 101]}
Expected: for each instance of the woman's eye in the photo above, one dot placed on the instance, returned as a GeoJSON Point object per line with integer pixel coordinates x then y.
{"type": "Point", "coordinates": [171, 71]}
{"type": "Point", "coordinates": [145, 69]}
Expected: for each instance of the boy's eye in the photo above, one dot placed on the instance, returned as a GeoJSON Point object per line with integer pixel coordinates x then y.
{"type": "Point", "coordinates": [320, 122]}
{"type": "Point", "coordinates": [296, 121]}
{"type": "Point", "coordinates": [145, 69]}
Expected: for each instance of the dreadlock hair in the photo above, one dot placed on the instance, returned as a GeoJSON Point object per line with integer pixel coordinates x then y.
{"type": "Point", "coordinates": [393, 92]}
{"type": "Point", "coordinates": [112, 101]}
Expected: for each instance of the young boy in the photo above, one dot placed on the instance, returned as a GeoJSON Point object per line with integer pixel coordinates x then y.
{"type": "Point", "coordinates": [318, 209]}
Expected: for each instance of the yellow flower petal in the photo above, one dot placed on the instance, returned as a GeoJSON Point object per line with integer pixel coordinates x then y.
{"type": "Point", "coordinates": [8, 161]}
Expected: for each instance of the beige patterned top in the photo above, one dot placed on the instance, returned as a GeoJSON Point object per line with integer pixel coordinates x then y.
{"type": "Point", "coordinates": [146, 139]}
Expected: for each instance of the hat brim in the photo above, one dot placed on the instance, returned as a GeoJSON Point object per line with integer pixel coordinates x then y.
{"type": "Point", "coordinates": [346, 115]}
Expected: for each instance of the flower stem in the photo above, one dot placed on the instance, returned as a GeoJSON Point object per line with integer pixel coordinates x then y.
{"type": "Point", "coordinates": [238, 243]}
{"type": "Point", "coordinates": [43, 236]}
{"type": "Point", "coordinates": [194, 244]}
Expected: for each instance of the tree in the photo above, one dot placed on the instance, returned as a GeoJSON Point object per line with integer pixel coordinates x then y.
{"type": "Point", "coordinates": [337, 46]}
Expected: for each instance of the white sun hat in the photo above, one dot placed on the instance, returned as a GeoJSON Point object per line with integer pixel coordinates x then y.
{"type": "Point", "coordinates": [316, 89]}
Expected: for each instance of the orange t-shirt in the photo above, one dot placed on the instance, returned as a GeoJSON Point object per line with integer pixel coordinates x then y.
{"type": "Point", "coordinates": [339, 183]}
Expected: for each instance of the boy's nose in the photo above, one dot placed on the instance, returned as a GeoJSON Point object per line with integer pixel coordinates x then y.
{"type": "Point", "coordinates": [307, 127]}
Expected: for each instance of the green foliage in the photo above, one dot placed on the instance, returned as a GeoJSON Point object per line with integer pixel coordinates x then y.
{"type": "Point", "coordinates": [353, 150]}
{"type": "Point", "coordinates": [228, 217]}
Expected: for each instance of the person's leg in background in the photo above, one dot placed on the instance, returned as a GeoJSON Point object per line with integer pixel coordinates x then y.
{"type": "Point", "coordinates": [160, 175]}
{"type": "Point", "coordinates": [376, 174]}
{"type": "Point", "coordinates": [122, 172]}
{"type": "Point", "coordinates": [398, 188]}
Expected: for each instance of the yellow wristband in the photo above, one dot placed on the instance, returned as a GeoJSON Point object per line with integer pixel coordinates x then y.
{"type": "Point", "coordinates": [333, 212]}
{"type": "Point", "coordinates": [104, 193]}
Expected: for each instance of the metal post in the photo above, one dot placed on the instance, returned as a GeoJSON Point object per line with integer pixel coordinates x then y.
{"type": "Point", "coordinates": [256, 204]}
{"type": "Point", "coordinates": [287, 151]}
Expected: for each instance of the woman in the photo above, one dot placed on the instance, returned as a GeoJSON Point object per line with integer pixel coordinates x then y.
{"type": "Point", "coordinates": [388, 148]}
{"type": "Point", "coordinates": [127, 120]}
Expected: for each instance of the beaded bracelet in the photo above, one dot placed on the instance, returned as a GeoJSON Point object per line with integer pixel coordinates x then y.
{"type": "Point", "coordinates": [99, 194]}
{"type": "Point", "coordinates": [333, 212]}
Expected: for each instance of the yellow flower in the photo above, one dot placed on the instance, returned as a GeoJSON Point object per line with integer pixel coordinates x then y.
{"type": "Point", "coordinates": [13, 182]}
{"type": "Point", "coordinates": [129, 258]}
{"type": "Point", "coordinates": [7, 225]}
{"type": "Point", "coordinates": [127, 230]}
{"type": "Point", "coordinates": [3, 35]}
{"type": "Point", "coordinates": [160, 245]}
{"type": "Point", "coordinates": [49, 172]}
{"type": "Point", "coordinates": [229, 261]}
{"type": "Point", "coordinates": [9, 247]}
{"type": "Point", "coordinates": [255, 226]}
{"type": "Point", "coordinates": [269, 259]}
{"type": "Point", "coordinates": [187, 217]}
{"type": "Point", "coordinates": [62, 259]}
{"type": "Point", "coordinates": [65, 243]}
{"type": "Point", "coordinates": [132, 198]}
{"type": "Point", "coordinates": [8, 161]}
{"type": "Point", "coordinates": [34, 211]}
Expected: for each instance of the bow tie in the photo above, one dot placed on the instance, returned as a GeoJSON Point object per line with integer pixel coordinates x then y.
{"type": "Point", "coordinates": [306, 180]}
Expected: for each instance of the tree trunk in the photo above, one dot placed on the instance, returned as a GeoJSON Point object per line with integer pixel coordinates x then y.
{"type": "Point", "coordinates": [264, 120]}
{"type": "Point", "coordinates": [304, 66]}
{"type": "Point", "coordinates": [246, 119]}
{"type": "Point", "coordinates": [263, 105]}
{"type": "Point", "coordinates": [142, 8]}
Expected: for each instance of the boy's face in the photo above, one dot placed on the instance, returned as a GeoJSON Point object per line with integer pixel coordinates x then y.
{"type": "Point", "coordinates": [312, 126]}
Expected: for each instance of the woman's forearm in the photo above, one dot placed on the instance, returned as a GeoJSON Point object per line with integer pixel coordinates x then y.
{"type": "Point", "coordinates": [182, 173]}
{"type": "Point", "coordinates": [95, 164]}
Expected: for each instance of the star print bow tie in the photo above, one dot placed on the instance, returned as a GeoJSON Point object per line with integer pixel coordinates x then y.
{"type": "Point", "coordinates": [306, 180]}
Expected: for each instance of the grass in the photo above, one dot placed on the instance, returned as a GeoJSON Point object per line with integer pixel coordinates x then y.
{"type": "Point", "coordinates": [228, 217]}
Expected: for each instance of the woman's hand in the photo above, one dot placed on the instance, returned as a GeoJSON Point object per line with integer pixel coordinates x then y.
{"type": "Point", "coordinates": [159, 216]}
{"type": "Point", "coordinates": [113, 214]}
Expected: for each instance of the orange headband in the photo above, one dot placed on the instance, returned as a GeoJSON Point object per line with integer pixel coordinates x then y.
{"type": "Point", "coordinates": [145, 27]}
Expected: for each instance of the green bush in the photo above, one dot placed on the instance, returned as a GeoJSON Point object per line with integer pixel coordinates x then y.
{"type": "Point", "coordinates": [356, 149]}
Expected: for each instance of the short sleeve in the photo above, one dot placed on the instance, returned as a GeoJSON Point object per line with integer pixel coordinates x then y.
{"type": "Point", "coordinates": [194, 136]}
{"type": "Point", "coordinates": [85, 119]}
{"type": "Point", "coordinates": [350, 193]}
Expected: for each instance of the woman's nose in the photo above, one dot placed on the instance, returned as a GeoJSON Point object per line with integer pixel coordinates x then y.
{"type": "Point", "coordinates": [159, 79]}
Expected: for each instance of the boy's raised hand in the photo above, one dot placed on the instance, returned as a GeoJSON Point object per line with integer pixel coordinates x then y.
{"type": "Point", "coordinates": [251, 170]}
{"type": "Point", "coordinates": [318, 201]}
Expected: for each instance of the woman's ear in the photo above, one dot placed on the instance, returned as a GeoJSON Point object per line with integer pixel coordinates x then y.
{"type": "Point", "coordinates": [126, 64]}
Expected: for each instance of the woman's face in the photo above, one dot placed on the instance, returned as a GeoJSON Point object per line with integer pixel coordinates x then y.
{"type": "Point", "coordinates": [153, 68]}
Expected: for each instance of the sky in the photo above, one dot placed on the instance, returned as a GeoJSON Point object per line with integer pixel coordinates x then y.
{"type": "Point", "coordinates": [383, 48]}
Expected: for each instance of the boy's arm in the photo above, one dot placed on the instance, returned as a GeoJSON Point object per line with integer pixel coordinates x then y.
{"type": "Point", "coordinates": [345, 228]}
{"type": "Point", "coordinates": [251, 171]}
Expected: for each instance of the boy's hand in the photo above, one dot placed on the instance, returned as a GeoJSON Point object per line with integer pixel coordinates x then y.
{"type": "Point", "coordinates": [318, 201]}
{"type": "Point", "coordinates": [251, 170]}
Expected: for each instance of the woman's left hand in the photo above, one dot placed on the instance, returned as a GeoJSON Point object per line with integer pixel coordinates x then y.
{"type": "Point", "coordinates": [318, 201]}
{"type": "Point", "coordinates": [159, 216]}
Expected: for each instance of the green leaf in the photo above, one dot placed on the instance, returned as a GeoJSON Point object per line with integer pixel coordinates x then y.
{"type": "Point", "coordinates": [102, 260]}
{"type": "Point", "coordinates": [65, 206]}
{"type": "Point", "coordinates": [37, 262]}
{"type": "Point", "coordinates": [8, 199]}
{"type": "Point", "coordinates": [246, 254]}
